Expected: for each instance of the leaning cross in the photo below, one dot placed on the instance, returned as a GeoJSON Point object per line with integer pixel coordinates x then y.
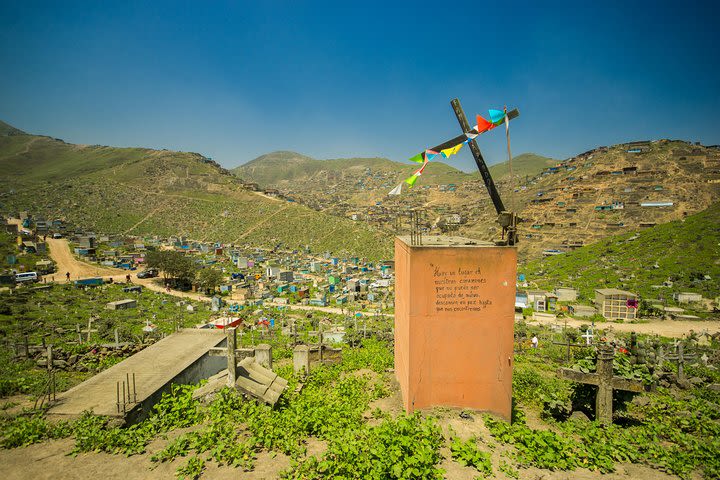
{"type": "Point", "coordinates": [507, 220]}
{"type": "Point", "coordinates": [606, 382]}
{"type": "Point", "coordinates": [233, 354]}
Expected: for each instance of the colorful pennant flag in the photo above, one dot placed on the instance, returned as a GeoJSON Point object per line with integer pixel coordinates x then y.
{"type": "Point", "coordinates": [417, 158]}
{"type": "Point", "coordinates": [497, 117]}
{"type": "Point", "coordinates": [397, 190]}
{"type": "Point", "coordinates": [452, 150]}
{"type": "Point", "coordinates": [483, 125]}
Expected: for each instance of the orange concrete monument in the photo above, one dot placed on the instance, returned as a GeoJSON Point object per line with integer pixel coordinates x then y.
{"type": "Point", "coordinates": [454, 318]}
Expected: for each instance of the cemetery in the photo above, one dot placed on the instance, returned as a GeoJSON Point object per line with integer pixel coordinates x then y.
{"type": "Point", "coordinates": [440, 362]}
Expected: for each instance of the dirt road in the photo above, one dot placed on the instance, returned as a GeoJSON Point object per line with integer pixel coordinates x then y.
{"type": "Point", "coordinates": [665, 328]}
{"type": "Point", "coordinates": [66, 261]}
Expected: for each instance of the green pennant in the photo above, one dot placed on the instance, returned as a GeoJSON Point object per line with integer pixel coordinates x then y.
{"type": "Point", "coordinates": [418, 158]}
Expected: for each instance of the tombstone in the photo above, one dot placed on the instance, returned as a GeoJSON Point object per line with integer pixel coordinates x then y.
{"type": "Point", "coordinates": [190, 308]}
{"type": "Point", "coordinates": [301, 360]}
{"type": "Point", "coordinates": [215, 304]}
{"type": "Point", "coordinates": [606, 382]}
{"type": "Point", "coordinates": [454, 319]}
{"type": "Point", "coordinates": [263, 355]}
{"type": "Point", "coordinates": [704, 359]}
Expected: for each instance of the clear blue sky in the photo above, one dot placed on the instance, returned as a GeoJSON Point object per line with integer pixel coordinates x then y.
{"type": "Point", "coordinates": [234, 80]}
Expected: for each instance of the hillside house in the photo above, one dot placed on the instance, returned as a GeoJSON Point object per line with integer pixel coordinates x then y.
{"type": "Point", "coordinates": [687, 297]}
{"type": "Point", "coordinates": [541, 301]}
{"type": "Point", "coordinates": [272, 271]}
{"type": "Point", "coordinates": [86, 241]}
{"type": "Point", "coordinates": [285, 276]}
{"type": "Point", "coordinates": [656, 204]}
{"type": "Point", "coordinates": [615, 304]}
{"type": "Point", "coordinates": [565, 294]}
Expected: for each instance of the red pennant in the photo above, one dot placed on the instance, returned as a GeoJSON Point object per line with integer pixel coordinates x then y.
{"type": "Point", "coordinates": [483, 125]}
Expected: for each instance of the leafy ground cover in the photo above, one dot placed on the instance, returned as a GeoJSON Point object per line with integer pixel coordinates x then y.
{"type": "Point", "coordinates": [674, 431]}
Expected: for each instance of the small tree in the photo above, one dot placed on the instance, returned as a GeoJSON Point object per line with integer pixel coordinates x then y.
{"type": "Point", "coordinates": [172, 264]}
{"type": "Point", "coordinates": [209, 278]}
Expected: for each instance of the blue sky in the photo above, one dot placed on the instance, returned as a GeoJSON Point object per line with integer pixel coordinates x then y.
{"type": "Point", "coordinates": [234, 80]}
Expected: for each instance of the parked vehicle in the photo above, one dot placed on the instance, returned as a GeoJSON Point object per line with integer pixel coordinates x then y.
{"type": "Point", "coordinates": [151, 273]}
{"type": "Point", "coordinates": [27, 277]}
{"type": "Point", "coordinates": [92, 282]}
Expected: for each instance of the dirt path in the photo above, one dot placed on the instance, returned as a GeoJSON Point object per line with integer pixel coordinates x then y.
{"type": "Point", "coordinates": [665, 328]}
{"type": "Point", "coordinates": [66, 262]}
{"type": "Point", "coordinates": [262, 222]}
{"type": "Point", "coordinates": [150, 214]}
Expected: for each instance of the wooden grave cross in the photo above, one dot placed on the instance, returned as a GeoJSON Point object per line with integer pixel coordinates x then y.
{"type": "Point", "coordinates": [232, 353]}
{"type": "Point", "coordinates": [680, 358]}
{"type": "Point", "coordinates": [321, 338]}
{"type": "Point", "coordinates": [588, 336]}
{"type": "Point", "coordinates": [568, 345]}
{"type": "Point", "coordinates": [606, 382]}
{"type": "Point", "coordinates": [89, 330]}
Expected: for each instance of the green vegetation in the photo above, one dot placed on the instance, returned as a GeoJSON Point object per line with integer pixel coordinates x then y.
{"type": "Point", "coordinates": [53, 314]}
{"type": "Point", "coordinates": [174, 265]}
{"type": "Point", "coordinates": [143, 191]}
{"type": "Point", "coordinates": [467, 453]}
{"type": "Point", "coordinates": [681, 252]}
{"type": "Point", "coordinates": [8, 130]}
{"type": "Point", "coordinates": [675, 431]}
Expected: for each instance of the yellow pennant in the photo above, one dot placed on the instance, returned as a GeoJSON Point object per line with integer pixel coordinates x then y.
{"type": "Point", "coordinates": [451, 151]}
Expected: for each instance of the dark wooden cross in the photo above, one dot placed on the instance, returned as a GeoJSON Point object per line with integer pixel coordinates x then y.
{"type": "Point", "coordinates": [321, 340]}
{"type": "Point", "coordinates": [606, 382]}
{"type": "Point", "coordinates": [680, 358]}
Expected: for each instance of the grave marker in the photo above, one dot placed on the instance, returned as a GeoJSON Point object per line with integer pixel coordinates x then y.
{"type": "Point", "coordinates": [605, 381]}
{"type": "Point", "coordinates": [232, 353]}
{"type": "Point", "coordinates": [679, 358]}
{"type": "Point", "coordinates": [454, 321]}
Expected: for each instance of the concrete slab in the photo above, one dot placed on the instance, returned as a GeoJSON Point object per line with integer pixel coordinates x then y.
{"type": "Point", "coordinates": [154, 367]}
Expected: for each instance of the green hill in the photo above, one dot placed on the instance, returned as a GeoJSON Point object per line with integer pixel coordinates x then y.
{"type": "Point", "coordinates": [524, 165]}
{"type": "Point", "coordinates": [682, 252]}
{"type": "Point", "coordinates": [8, 130]}
{"type": "Point", "coordinates": [160, 192]}
{"type": "Point", "coordinates": [282, 168]}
